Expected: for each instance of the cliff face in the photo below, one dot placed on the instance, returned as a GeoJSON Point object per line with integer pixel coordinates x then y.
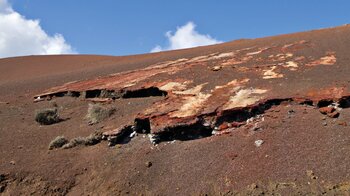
{"type": "Point", "coordinates": [272, 111]}
{"type": "Point", "coordinates": [218, 92]}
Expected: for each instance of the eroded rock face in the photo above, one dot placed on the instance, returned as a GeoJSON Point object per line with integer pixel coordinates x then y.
{"type": "Point", "coordinates": [199, 100]}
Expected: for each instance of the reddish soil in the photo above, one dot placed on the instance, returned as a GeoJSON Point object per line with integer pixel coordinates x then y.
{"type": "Point", "coordinates": [269, 133]}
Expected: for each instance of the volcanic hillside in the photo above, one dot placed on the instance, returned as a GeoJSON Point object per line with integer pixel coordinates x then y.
{"type": "Point", "coordinates": [260, 116]}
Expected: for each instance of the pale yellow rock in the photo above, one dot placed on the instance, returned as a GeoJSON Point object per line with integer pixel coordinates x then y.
{"type": "Point", "coordinates": [244, 98]}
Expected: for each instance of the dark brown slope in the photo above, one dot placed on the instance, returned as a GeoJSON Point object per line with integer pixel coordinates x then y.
{"type": "Point", "coordinates": [220, 103]}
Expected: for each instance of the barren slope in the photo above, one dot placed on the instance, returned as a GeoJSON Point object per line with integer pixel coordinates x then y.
{"type": "Point", "coordinates": [256, 116]}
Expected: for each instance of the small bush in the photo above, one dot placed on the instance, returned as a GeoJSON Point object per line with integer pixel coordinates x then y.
{"type": "Point", "coordinates": [74, 142]}
{"type": "Point", "coordinates": [92, 139]}
{"type": "Point", "coordinates": [58, 142]}
{"type": "Point", "coordinates": [47, 116]}
{"type": "Point", "coordinates": [97, 113]}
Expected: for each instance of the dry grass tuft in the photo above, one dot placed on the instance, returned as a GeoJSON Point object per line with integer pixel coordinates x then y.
{"type": "Point", "coordinates": [47, 116]}
{"type": "Point", "coordinates": [58, 142]}
{"type": "Point", "coordinates": [97, 113]}
{"type": "Point", "coordinates": [92, 139]}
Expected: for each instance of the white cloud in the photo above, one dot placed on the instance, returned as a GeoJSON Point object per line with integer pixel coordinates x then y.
{"type": "Point", "coordinates": [186, 37]}
{"type": "Point", "coordinates": [20, 36]}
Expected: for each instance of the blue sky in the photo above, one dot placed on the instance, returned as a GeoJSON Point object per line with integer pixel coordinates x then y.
{"type": "Point", "coordinates": [114, 27]}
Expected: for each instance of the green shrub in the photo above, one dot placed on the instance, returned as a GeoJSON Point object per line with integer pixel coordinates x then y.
{"type": "Point", "coordinates": [58, 142]}
{"type": "Point", "coordinates": [47, 116]}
